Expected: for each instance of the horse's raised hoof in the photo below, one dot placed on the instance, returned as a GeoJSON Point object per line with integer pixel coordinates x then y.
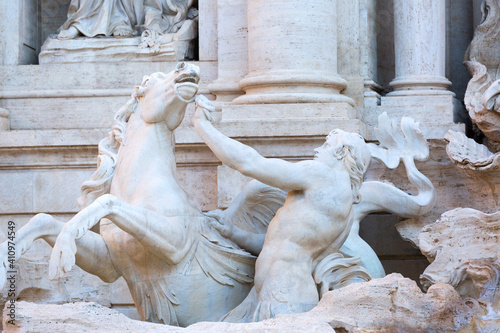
{"type": "Point", "coordinates": [62, 258]}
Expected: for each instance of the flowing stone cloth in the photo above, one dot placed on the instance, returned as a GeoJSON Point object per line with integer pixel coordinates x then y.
{"type": "Point", "coordinates": [102, 17]}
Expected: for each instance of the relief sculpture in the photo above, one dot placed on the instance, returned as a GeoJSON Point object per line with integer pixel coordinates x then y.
{"type": "Point", "coordinates": [144, 30]}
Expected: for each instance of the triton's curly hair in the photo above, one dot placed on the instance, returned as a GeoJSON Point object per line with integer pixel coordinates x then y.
{"type": "Point", "coordinates": [351, 148]}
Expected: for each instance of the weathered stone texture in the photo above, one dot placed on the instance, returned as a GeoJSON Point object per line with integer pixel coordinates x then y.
{"type": "Point", "coordinates": [391, 304]}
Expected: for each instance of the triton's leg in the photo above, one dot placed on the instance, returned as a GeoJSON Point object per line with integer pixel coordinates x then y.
{"type": "Point", "coordinates": [167, 237]}
{"type": "Point", "coordinates": [93, 255]}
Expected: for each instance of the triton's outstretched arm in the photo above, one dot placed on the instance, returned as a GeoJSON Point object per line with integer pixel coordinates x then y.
{"type": "Point", "coordinates": [272, 171]}
{"type": "Point", "coordinates": [383, 197]}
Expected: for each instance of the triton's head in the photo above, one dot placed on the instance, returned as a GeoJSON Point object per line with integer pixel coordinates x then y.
{"type": "Point", "coordinates": [350, 148]}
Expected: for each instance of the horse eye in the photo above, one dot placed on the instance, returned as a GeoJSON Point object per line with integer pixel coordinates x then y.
{"type": "Point", "coordinates": [180, 66]}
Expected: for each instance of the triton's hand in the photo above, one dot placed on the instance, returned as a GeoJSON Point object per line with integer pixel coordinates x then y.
{"type": "Point", "coordinates": [203, 109]}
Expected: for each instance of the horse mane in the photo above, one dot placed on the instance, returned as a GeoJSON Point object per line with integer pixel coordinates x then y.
{"type": "Point", "coordinates": [100, 181]}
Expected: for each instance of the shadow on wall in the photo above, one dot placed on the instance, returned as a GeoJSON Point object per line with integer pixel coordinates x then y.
{"type": "Point", "coordinates": [396, 255]}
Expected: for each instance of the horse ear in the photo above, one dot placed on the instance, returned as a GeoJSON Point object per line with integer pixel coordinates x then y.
{"type": "Point", "coordinates": [139, 91]}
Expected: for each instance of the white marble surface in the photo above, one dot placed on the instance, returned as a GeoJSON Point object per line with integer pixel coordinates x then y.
{"type": "Point", "coordinates": [232, 34]}
{"type": "Point", "coordinates": [43, 147]}
{"type": "Point", "coordinates": [123, 18]}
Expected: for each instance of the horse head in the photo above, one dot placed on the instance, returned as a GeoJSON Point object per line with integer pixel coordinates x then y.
{"type": "Point", "coordinates": [164, 97]}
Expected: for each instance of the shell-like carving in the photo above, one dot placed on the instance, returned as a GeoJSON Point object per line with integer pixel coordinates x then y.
{"type": "Point", "coordinates": [470, 155]}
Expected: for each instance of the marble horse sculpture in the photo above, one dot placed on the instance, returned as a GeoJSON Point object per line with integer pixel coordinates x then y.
{"type": "Point", "coordinates": [178, 268]}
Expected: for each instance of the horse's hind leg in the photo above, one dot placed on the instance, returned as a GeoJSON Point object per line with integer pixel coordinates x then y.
{"type": "Point", "coordinates": [93, 255]}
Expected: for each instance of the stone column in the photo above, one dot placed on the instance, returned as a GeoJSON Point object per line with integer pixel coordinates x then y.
{"type": "Point", "coordinates": [420, 48]}
{"type": "Point", "coordinates": [292, 58]}
{"type": "Point", "coordinates": [232, 50]}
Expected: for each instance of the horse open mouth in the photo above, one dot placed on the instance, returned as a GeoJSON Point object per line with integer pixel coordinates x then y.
{"type": "Point", "coordinates": [186, 87]}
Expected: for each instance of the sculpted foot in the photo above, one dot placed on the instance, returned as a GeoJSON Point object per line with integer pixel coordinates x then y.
{"type": "Point", "coordinates": [63, 254]}
{"type": "Point", "coordinates": [122, 31]}
{"type": "Point", "coordinates": [69, 33]}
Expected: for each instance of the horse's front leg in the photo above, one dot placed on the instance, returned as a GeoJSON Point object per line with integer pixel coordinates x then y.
{"type": "Point", "coordinates": [168, 238]}
{"type": "Point", "coordinates": [93, 255]}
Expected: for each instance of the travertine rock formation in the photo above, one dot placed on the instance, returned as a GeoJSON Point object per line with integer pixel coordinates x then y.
{"type": "Point", "coordinates": [456, 245]}
{"type": "Point", "coordinates": [390, 304]}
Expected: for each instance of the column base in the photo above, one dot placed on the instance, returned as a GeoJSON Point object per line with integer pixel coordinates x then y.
{"type": "Point", "coordinates": [225, 91]}
{"type": "Point", "coordinates": [292, 86]}
{"type": "Point", "coordinates": [420, 86]}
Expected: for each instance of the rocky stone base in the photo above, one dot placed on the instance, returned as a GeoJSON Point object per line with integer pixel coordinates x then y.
{"type": "Point", "coordinates": [391, 304]}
